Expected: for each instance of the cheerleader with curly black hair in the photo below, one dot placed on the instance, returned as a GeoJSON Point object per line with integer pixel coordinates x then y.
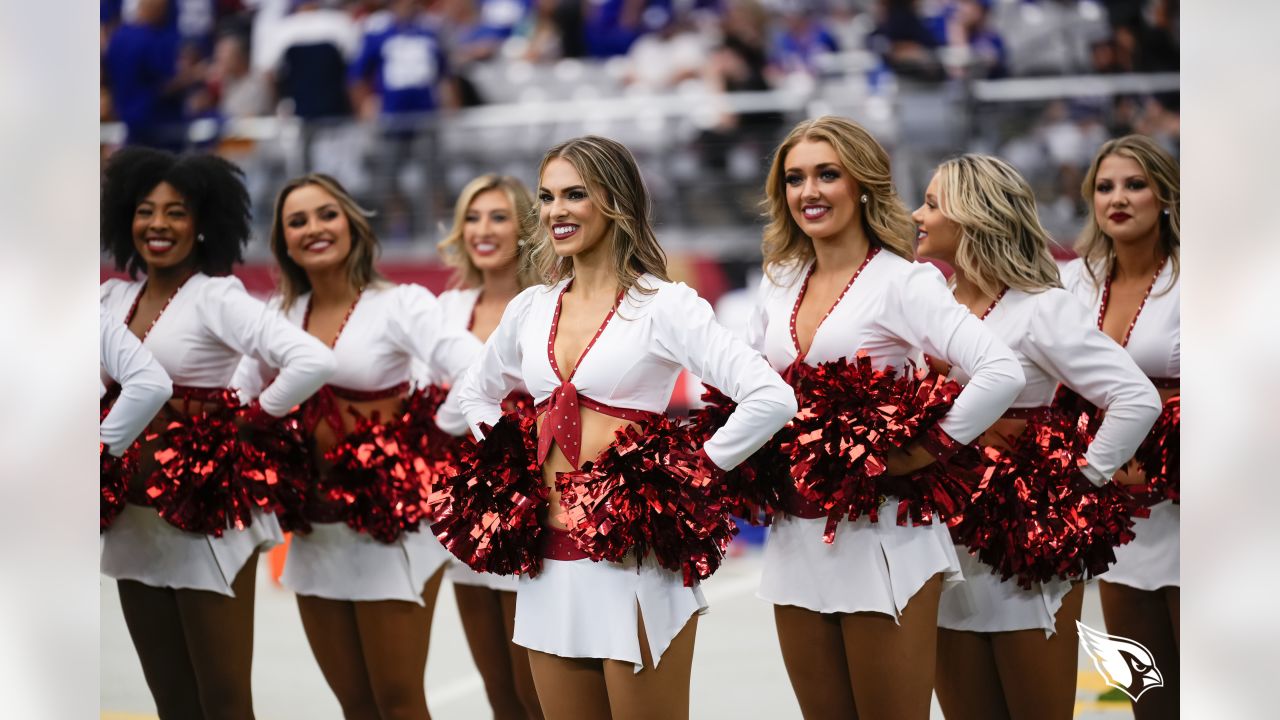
{"type": "Point", "coordinates": [184, 548]}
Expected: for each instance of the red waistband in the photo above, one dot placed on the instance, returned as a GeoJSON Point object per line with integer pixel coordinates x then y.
{"type": "Point", "coordinates": [797, 505]}
{"type": "Point", "coordinates": [1165, 383]}
{"type": "Point", "coordinates": [324, 404]}
{"type": "Point", "coordinates": [558, 545]}
{"type": "Point", "coordinates": [1027, 413]}
{"type": "Point", "coordinates": [203, 394]}
{"type": "Point", "coordinates": [562, 422]}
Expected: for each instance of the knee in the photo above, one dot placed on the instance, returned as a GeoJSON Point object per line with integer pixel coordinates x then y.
{"type": "Point", "coordinates": [172, 706]}
{"type": "Point", "coordinates": [401, 701]}
{"type": "Point", "coordinates": [226, 698]}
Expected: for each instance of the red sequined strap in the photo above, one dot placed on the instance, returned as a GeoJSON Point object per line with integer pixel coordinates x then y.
{"type": "Point", "coordinates": [1027, 413]}
{"type": "Point", "coordinates": [323, 405]}
{"type": "Point", "coordinates": [1106, 300]}
{"type": "Point", "coordinates": [804, 287]}
{"type": "Point", "coordinates": [133, 309]}
{"type": "Point", "coordinates": [557, 544]}
{"type": "Point", "coordinates": [1166, 383]}
{"type": "Point", "coordinates": [939, 444]}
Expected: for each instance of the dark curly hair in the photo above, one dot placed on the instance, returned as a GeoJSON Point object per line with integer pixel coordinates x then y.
{"type": "Point", "coordinates": [212, 188]}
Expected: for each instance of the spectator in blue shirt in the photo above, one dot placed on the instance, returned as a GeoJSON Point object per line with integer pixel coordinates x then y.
{"type": "Point", "coordinates": [148, 86]}
{"type": "Point", "coordinates": [401, 63]}
{"type": "Point", "coordinates": [801, 39]}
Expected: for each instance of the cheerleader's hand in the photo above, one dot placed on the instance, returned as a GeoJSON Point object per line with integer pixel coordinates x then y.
{"type": "Point", "coordinates": [1131, 474]}
{"type": "Point", "coordinates": [907, 460]}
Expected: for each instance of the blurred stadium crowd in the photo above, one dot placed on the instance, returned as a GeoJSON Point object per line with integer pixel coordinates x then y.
{"type": "Point", "coordinates": [406, 100]}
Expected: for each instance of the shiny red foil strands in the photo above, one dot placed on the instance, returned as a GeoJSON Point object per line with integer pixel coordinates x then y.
{"type": "Point", "coordinates": [113, 479]}
{"type": "Point", "coordinates": [752, 490]}
{"type": "Point", "coordinates": [1035, 517]}
{"type": "Point", "coordinates": [196, 485]}
{"type": "Point", "coordinates": [278, 454]}
{"type": "Point", "coordinates": [1160, 458]}
{"type": "Point", "coordinates": [433, 454]}
{"type": "Point", "coordinates": [850, 416]}
{"type": "Point", "coordinates": [651, 490]}
{"type": "Point", "coordinates": [489, 515]}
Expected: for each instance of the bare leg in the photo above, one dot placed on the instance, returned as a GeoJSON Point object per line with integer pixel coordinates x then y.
{"type": "Point", "coordinates": [813, 651]}
{"type": "Point", "coordinates": [1039, 674]}
{"type": "Point", "coordinates": [519, 659]}
{"type": "Point", "coordinates": [1143, 616]}
{"type": "Point", "coordinates": [1173, 598]}
{"type": "Point", "coordinates": [155, 626]}
{"type": "Point", "coordinates": [891, 665]}
{"type": "Point", "coordinates": [335, 641]}
{"type": "Point", "coordinates": [968, 683]}
{"type": "Point", "coordinates": [483, 621]}
{"type": "Point", "coordinates": [219, 633]}
{"type": "Point", "coordinates": [570, 688]}
{"type": "Point", "coordinates": [654, 693]}
{"type": "Point", "coordinates": [395, 636]}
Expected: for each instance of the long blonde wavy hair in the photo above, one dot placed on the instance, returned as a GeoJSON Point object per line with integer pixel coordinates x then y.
{"type": "Point", "coordinates": [884, 217]}
{"type": "Point", "coordinates": [364, 243]}
{"type": "Point", "coordinates": [615, 187]}
{"type": "Point", "coordinates": [453, 249]}
{"type": "Point", "coordinates": [1002, 243]}
{"type": "Point", "coordinates": [1094, 246]}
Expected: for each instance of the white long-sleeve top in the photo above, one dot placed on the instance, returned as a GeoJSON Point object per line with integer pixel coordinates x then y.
{"type": "Point", "coordinates": [895, 309]}
{"type": "Point", "coordinates": [1052, 336]}
{"type": "Point", "coordinates": [390, 327]}
{"type": "Point", "coordinates": [634, 363]}
{"type": "Point", "coordinates": [1156, 342]}
{"type": "Point", "coordinates": [211, 323]}
{"type": "Point", "coordinates": [144, 386]}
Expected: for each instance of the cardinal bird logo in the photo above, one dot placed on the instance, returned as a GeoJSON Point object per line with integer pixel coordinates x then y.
{"type": "Point", "coordinates": [1125, 665]}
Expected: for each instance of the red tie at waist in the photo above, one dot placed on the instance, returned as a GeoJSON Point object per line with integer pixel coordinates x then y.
{"type": "Point", "coordinates": [562, 421]}
{"type": "Point", "coordinates": [324, 404]}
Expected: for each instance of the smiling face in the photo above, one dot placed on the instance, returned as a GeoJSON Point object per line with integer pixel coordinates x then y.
{"type": "Point", "coordinates": [317, 235]}
{"type": "Point", "coordinates": [821, 195]}
{"type": "Point", "coordinates": [163, 229]}
{"type": "Point", "coordinates": [490, 232]}
{"type": "Point", "coordinates": [938, 236]}
{"type": "Point", "coordinates": [1124, 205]}
{"type": "Point", "coordinates": [568, 212]}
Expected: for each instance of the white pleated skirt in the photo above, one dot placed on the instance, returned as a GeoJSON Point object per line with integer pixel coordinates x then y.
{"type": "Point", "coordinates": [1151, 560]}
{"type": "Point", "coordinates": [982, 603]}
{"type": "Point", "coordinates": [460, 574]}
{"type": "Point", "coordinates": [335, 562]}
{"type": "Point", "coordinates": [871, 567]}
{"type": "Point", "coordinates": [586, 609]}
{"type": "Point", "coordinates": [142, 546]}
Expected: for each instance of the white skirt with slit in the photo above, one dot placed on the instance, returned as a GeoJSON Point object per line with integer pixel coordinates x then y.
{"type": "Point", "coordinates": [586, 609]}
{"type": "Point", "coordinates": [142, 546]}
{"type": "Point", "coordinates": [459, 574]}
{"type": "Point", "coordinates": [335, 562]}
{"type": "Point", "coordinates": [982, 603]}
{"type": "Point", "coordinates": [871, 567]}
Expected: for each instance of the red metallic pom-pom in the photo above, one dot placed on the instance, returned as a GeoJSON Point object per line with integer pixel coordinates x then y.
{"type": "Point", "coordinates": [371, 477]}
{"type": "Point", "coordinates": [196, 486]}
{"type": "Point", "coordinates": [489, 515]}
{"type": "Point", "coordinates": [1036, 517]}
{"type": "Point", "coordinates": [1159, 457]}
{"type": "Point", "coordinates": [113, 479]}
{"type": "Point", "coordinates": [433, 455]}
{"type": "Point", "coordinates": [277, 462]}
{"type": "Point", "coordinates": [649, 490]}
{"type": "Point", "coordinates": [753, 489]}
{"type": "Point", "coordinates": [850, 417]}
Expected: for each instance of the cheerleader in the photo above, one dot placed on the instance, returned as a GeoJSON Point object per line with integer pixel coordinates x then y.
{"type": "Point", "coordinates": [488, 249]}
{"type": "Point", "coordinates": [184, 549]}
{"type": "Point", "coordinates": [857, 613]}
{"type": "Point", "coordinates": [1006, 651]}
{"type": "Point", "coordinates": [1127, 274]}
{"type": "Point", "coordinates": [366, 575]}
{"type": "Point", "coordinates": [600, 346]}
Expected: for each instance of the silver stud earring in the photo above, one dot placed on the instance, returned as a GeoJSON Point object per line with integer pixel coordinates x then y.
{"type": "Point", "coordinates": [200, 238]}
{"type": "Point", "coordinates": [1166, 211]}
{"type": "Point", "coordinates": [864, 198]}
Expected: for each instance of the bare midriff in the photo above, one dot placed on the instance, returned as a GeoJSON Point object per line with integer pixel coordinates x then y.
{"type": "Point", "coordinates": [1002, 433]}
{"type": "Point", "coordinates": [598, 433]}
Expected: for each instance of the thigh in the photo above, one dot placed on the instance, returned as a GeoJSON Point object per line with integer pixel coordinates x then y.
{"type": "Point", "coordinates": [968, 683]}
{"type": "Point", "coordinates": [813, 652]}
{"type": "Point", "coordinates": [155, 626]}
{"type": "Point", "coordinates": [570, 688]}
{"type": "Point", "coordinates": [219, 633]}
{"type": "Point", "coordinates": [1173, 599]}
{"type": "Point", "coordinates": [1039, 673]}
{"type": "Point", "coordinates": [395, 636]}
{"type": "Point", "coordinates": [484, 624]}
{"type": "Point", "coordinates": [1143, 616]}
{"type": "Point", "coordinates": [330, 626]}
{"type": "Point", "coordinates": [654, 693]}
{"type": "Point", "coordinates": [891, 665]}
{"type": "Point", "coordinates": [519, 659]}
